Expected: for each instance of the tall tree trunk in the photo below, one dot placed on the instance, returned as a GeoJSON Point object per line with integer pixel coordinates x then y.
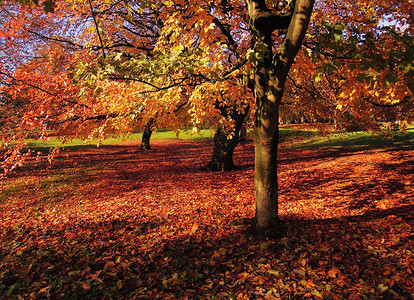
{"type": "Point", "coordinates": [269, 80]}
{"type": "Point", "coordinates": [146, 135]}
{"type": "Point", "coordinates": [266, 134]}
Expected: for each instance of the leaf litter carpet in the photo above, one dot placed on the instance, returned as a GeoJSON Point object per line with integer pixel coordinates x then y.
{"type": "Point", "coordinates": [116, 222]}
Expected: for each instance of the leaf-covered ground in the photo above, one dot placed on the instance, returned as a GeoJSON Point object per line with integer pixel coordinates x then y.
{"type": "Point", "coordinates": [114, 222]}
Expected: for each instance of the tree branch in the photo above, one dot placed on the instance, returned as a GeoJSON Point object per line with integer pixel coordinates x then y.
{"type": "Point", "coordinates": [263, 20]}
{"type": "Point", "coordinates": [158, 88]}
{"type": "Point", "coordinates": [404, 100]}
{"type": "Point", "coordinates": [97, 29]}
{"type": "Point", "coordinates": [55, 39]}
{"type": "Point", "coordinates": [233, 45]}
{"type": "Point", "coordinates": [95, 118]}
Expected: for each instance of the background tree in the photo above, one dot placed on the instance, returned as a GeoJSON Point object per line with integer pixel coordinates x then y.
{"type": "Point", "coordinates": [182, 68]}
{"type": "Point", "coordinates": [146, 135]}
{"type": "Point", "coordinates": [361, 57]}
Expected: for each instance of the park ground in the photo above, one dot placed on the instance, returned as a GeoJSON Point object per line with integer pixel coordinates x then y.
{"type": "Point", "coordinates": [116, 222]}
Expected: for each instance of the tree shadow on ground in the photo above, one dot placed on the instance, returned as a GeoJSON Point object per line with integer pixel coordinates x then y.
{"type": "Point", "coordinates": [341, 257]}
{"type": "Point", "coordinates": [152, 226]}
{"type": "Point", "coordinates": [350, 255]}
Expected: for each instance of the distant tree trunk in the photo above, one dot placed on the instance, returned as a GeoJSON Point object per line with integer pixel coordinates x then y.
{"type": "Point", "coordinates": [243, 133]}
{"type": "Point", "coordinates": [269, 80]}
{"type": "Point", "coordinates": [146, 135]}
{"type": "Point", "coordinates": [222, 158]}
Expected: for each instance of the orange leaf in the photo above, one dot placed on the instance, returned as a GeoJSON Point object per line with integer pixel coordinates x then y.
{"type": "Point", "coordinates": [109, 265]}
{"type": "Point", "coordinates": [333, 272]}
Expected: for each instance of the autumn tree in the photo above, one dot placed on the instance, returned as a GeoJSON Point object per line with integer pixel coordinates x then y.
{"type": "Point", "coordinates": [181, 68]}
{"type": "Point", "coordinates": [198, 64]}
{"type": "Point", "coordinates": [358, 65]}
{"type": "Point", "coordinates": [179, 71]}
{"type": "Point", "coordinates": [270, 73]}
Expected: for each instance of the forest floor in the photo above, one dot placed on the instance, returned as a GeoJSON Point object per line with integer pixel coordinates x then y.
{"type": "Point", "coordinates": [116, 222]}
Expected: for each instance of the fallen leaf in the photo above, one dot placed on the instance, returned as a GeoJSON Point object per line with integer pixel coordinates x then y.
{"type": "Point", "coordinates": [109, 265]}
{"type": "Point", "coordinates": [333, 272]}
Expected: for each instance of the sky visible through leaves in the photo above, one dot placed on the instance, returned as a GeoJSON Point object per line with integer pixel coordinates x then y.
{"type": "Point", "coordinates": [115, 222]}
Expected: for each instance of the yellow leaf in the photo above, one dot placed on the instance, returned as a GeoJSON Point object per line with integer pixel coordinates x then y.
{"type": "Point", "coordinates": [210, 27]}
{"type": "Point", "coordinates": [169, 3]}
{"type": "Point", "coordinates": [275, 273]}
{"type": "Point", "coordinates": [43, 290]}
{"type": "Point", "coordinates": [317, 294]}
{"type": "Point", "coordinates": [382, 288]}
{"type": "Point", "coordinates": [177, 49]}
{"type": "Point", "coordinates": [194, 228]}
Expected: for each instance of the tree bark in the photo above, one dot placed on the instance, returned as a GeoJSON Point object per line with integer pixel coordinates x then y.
{"type": "Point", "coordinates": [146, 135]}
{"type": "Point", "coordinates": [222, 158]}
{"type": "Point", "coordinates": [269, 80]}
{"type": "Point", "coordinates": [243, 133]}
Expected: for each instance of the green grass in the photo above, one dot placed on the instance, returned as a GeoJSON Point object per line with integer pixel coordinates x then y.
{"type": "Point", "coordinates": [362, 139]}
{"type": "Point", "coordinates": [161, 135]}
{"type": "Point", "coordinates": [184, 135]}
{"type": "Point", "coordinates": [296, 135]}
{"type": "Point", "coordinates": [310, 139]}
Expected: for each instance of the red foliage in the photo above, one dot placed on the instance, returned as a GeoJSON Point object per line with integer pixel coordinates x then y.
{"type": "Point", "coordinates": [114, 222]}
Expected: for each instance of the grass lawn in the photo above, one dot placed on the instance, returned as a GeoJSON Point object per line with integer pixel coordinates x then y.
{"type": "Point", "coordinates": [134, 137]}
{"type": "Point", "coordinates": [295, 138]}
{"type": "Point", "coordinates": [362, 139]}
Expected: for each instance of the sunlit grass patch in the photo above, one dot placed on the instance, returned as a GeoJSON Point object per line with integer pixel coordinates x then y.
{"type": "Point", "coordinates": [75, 143]}
{"type": "Point", "coordinates": [362, 139]}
